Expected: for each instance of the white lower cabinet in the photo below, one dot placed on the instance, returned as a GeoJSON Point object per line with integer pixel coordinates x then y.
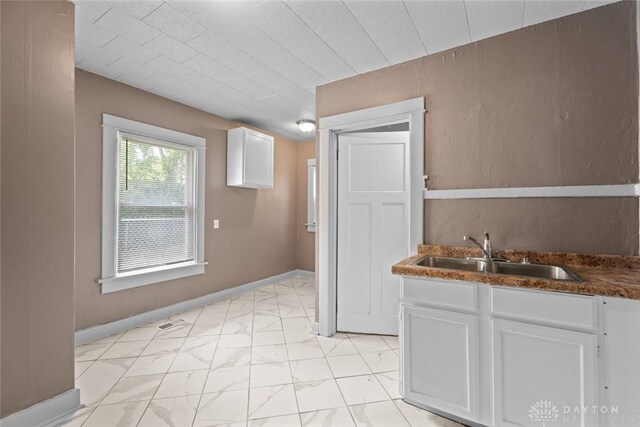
{"type": "Point", "coordinates": [507, 357]}
{"type": "Point", "coordinates": [440, 352]}
{"type": "Point", "coordinates": [542, 374]}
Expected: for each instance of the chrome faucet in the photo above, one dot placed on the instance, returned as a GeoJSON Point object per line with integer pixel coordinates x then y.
{"type": "Point", "coordinates": [485, 247]}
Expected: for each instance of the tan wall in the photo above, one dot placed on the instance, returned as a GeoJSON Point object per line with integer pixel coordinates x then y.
{"type": "Point", "coordinates": [306, 240]}
{"type": "Point", "coordinates": [552, 104]}
{"type": "Point", "coordinates": [37, 202]}
{"type": "Point", "coordinates": [257, 235]}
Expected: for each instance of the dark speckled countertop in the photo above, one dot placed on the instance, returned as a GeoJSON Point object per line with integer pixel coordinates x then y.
{"type": "Point", "coordinates": [607, 275]}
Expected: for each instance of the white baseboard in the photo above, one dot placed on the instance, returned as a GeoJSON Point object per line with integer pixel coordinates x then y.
{"type": "Point", "coordinates": [305, 273]}
{"type": "Point", "coordinates": [45, 413]}
{"type": "Point", "coordinates": [97, 332]}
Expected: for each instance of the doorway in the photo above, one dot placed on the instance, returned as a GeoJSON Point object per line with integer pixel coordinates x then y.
{"type": "Point", "coordinates": [370, 213]}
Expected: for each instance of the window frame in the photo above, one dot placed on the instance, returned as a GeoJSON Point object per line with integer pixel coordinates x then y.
{"type": "Point", "coordinates": [110, 280]}
{"type": "Point", "coordinates": [311, 200]}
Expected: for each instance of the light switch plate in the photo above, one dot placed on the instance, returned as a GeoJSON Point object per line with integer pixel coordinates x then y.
{"type": "Point", "coordinates": [216, 223]}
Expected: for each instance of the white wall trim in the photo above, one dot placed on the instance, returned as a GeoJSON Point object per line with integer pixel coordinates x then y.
{"type": "Point", "coordinates": [412, 111]}
{"type": "Point", "coordinates": [45, 413]}
{"type": "Point", "coordinates": [84, 336]}
{"type": "Point", "coordinates": [356, 117]}
{"type": "Point", "coordinates": [620, 190]}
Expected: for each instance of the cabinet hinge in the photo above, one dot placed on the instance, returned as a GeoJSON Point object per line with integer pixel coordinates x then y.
{"type": "Point", "coordinates": [599, 353]}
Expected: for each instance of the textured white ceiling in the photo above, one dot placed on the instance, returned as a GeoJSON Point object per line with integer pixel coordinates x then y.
{"type": "Point", "coordinates": [260, 61]}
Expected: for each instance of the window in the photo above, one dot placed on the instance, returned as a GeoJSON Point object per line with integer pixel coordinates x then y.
{"type": "Point", "coordinates": [153, 204]}
{"type": "Point", "coordinates": [311, 195]}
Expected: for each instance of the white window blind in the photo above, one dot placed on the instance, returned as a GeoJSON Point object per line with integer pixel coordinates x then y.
{"type": "Point", "coordinates": [156, 203]}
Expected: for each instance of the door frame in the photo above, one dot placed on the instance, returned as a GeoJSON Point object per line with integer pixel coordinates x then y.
{"type": "Point", "coordinates": [411, 111]}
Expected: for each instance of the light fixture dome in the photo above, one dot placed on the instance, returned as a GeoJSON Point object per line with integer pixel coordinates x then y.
{"type": "Point", "coordinates": [306, 126]}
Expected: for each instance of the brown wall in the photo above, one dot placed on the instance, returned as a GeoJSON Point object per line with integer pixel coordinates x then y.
{"type": "Point", "coordinates": [257, 235]}
{"type": "Point", "coordinates": [547, 105]}
{"type": "Point", "coordinates": [37, 191]}
{"type": "Point", "coordinates": [306, 240]}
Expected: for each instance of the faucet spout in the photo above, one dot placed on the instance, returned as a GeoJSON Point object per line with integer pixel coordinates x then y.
{"type": "Point", "coordinates": [487, 254]}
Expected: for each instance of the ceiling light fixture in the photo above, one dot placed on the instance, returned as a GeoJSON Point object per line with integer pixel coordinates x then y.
{"type": "Point", "coordinates": [306, 126]}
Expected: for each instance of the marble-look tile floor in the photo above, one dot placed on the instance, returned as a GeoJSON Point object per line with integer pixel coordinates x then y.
{"type": "Point", "coordinates": [250, 360]}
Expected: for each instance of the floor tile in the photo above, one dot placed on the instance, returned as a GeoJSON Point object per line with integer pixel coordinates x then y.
{"type": "Point", "coordinates": [139, 334]}
{"type": "Point", "coordinates": [296, 323]}
{"type": "Point", "coordinates": [89, 352]}
{"type": "Point", "coordinates": [281, 421]}
{"type": "Point", "coordinates": [224, 379]}
{"type": "Point", "coordinates": [179, 331]}
{"type": "Point", "coordinates": [336, 417]}
{"type": "Point", "coordinates": [170, 412]}
{"type": "Point", "coordinates": [145, 365]}
{"type": "Point", "coordinates": [369, 343]}
{"type": "Point", "coordinates": [121, 415]}
{"type": "Point", "coordinates": [102, 375]}
{"type": "Point", "coordinates": [268, 338]}
{"type": "Point", "coordinates": [247, 361]}
{"type": "Point", "coordinates": [272, 401]}
{"type": "Point", "coordinates": [382, 361]}
{"type": "Point", "coordinates": [269, 353]}
{"type": "Point", "coordinates": [317, 395]}
{"type": "Point", "coordinates": [292, 336]}
{"type": "Point", "coordinates": [391, 341]}
{"type": "Point", "coordinates": [109, 339]}
{"type": "Point", "coordinates": [226, 407]}
{"type": "Point", "coordinates": [275, 373]}
{"type": "Point", "coordinates": [80, 367]}
{"type": "Point", "coordinates": [124, 349]}
{"type": "Point", "coordinates": [310, 370]}
{"type": "Point", "coordinates": [234, 341]}
{"type": "Point", "coordinates": [304, 350]}
{"type": "Point", "coordinates": [76, 418]}
{"type": "Point", "coordinates": [133, 389]}
{"type": "Point", "coordinates": [361, 389]}
{"type": "Point", "coordinates": [163, 346]}
{"type": "Point", "coordinates": [186, 383]}
{"type": "Point", "coordinates": [419, 418]}
{"type": "Point", "coordinates": [196, 353]}
{"type": "Point", "coordinates": [379, 414]}
{"type": "Point", "coordinates": [390, 381]}
{"type": "Point", "coordinates": [336, 346]}
{"type": "Point", "coordinates": [231, 357]}
{"type": "Point", "coordinates": [347, 366]}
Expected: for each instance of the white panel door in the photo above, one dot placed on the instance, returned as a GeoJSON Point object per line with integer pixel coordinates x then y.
{"type": "Point", "coordinates": [373, 229]}
{"type": "Point", "coordinates": [541, 371]}
{"type": "Point", "coordinates": [440, 360]}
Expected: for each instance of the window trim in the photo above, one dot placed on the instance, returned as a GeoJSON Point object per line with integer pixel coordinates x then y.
{"type": "Point", "coordinates": [311, 202]}
{"type": "Point", "coordinates": [110, 280]}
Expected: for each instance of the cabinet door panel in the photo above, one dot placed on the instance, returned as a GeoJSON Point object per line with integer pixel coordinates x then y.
{"type": "Point", "coordinates": [535, 364]}
{"type": "Point", "coordinates": [258, 160]}
{"type": "Point", "coordinates": [440, 360]}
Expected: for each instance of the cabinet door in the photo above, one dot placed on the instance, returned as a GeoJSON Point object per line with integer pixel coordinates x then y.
{"type": "Point", "coordinates": [540, 373]}
{"type": "Point", "coordinates": [258, 160]}
{"type": "Point", "coordinates": [440, 360]}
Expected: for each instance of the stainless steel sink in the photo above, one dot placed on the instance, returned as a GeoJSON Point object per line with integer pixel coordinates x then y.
{"type": "Point", "coordinates": [540, 271]}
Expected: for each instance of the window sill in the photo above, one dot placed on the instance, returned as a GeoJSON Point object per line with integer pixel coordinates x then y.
{"type": "Point", "coordinates": [151, 276]}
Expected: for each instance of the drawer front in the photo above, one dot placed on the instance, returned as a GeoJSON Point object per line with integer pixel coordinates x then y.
{"type": "Point", "coordinates": [444, 293]}
{"type": "Point", "coordinates": [554, 308]}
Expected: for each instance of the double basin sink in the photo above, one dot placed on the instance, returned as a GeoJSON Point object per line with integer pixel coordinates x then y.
{"type": "Point", "coordinates": [480, 265]}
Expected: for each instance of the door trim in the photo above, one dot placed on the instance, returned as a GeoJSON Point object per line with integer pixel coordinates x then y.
{"type": "Point", "coordinates": [411, 111]}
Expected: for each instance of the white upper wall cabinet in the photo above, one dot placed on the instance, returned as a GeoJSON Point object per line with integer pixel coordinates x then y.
{"type": "Point", "coordinates": [249, 159]}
